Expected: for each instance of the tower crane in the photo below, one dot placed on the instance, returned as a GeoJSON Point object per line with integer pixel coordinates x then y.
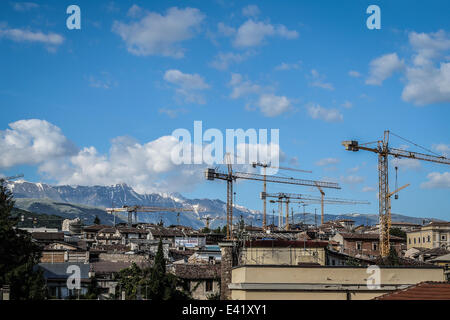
{"type": "Point", "coordinates": [384, 150]}
{"type": "Point", "coordinates": [135, 209]}
{"type": "Point", "coordinates": [308, 198]}
{"type": "Point", "coordinates": [209, 219]}
{"type": "Point", "coordinates": [231, 176]}
{"type": "Point", "coordinates": [264, 166]}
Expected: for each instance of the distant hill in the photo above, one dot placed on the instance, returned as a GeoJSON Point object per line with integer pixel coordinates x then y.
{"type": "Point", "coordinates": [65, 210]}
{"type": "Point", "coordinates": [86, 202]}
{"type": "Point", "coordinates": [27, 219]}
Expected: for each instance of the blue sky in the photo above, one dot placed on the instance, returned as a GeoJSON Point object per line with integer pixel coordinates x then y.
{"type": "Point", "coordinates": [106, 97]}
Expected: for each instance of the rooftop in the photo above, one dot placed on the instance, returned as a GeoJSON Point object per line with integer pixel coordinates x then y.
{"type": "Point", "coordinates": [197, 271]}
{"type": "Point", "coordinates": [286, 243]}
{"type": "Point", "coordinates": [421, 291]}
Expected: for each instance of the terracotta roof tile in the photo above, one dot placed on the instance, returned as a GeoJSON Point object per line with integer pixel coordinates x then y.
{"type": "Point", "coordinates": [421, 291]}
{"type": "Point", "coordinates": [197, 271]}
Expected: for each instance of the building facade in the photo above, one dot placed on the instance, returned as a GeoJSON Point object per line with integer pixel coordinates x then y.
{"type": "Point", "coordinates": [432, 235]}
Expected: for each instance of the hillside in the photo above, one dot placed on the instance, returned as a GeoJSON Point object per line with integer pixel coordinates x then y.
{"type": "Point", "coordinates": [86, 202]}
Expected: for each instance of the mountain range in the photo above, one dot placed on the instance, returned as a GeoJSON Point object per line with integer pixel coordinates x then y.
{"type": "Point", "coordinates": [86, 202]}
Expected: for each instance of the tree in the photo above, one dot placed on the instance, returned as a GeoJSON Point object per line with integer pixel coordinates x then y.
{"type": "Point", "coordinates": [397, 232]}
{"type": "Point", "coordinates": [97, 220]}
{"type": "Point", "coordinates": [205, 230]}
{"type": "Point", "coordinates": [18, 255]}
{"type": "Point", "coordinates": [151, 283]}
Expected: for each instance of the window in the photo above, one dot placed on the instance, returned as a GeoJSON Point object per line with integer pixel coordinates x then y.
{"type": "Point", "coordinates": [358, 246]}
{"type": "Point", "coordinates": [418, 239]}
{"type": "Point", "coordinates": [414, 240]}
{"type": "Point", "coordinates": [374, 246]}
{"type": "Point", "coordinates": [208, 285]}
{"type": "Point", "coordinates": [409, 240]}
{"type": "Point", "coordinates": [423, 239]}
{"type": "Point", "coordinates": [333, 263]}
{"type": "Point", "coordinates": [429, 239]}
{"type": "Point", "coordinates": [443, 237]}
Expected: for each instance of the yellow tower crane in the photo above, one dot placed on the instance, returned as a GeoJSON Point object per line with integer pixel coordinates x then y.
{"type": "Point", "coordinates": [383, 150]}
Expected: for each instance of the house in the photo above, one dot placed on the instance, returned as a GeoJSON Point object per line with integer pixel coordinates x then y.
{"type": "Point", "coordinates": [57, 274]}
{"type": "Point", "coordinates": [283, 252]}
{"type": "Point", "coordinates": [348, 224]}
{"type": "Point", "coordinates": [428, 290]}
{"type": "Point", "coordinates": [443, 261]}
{"type": "Point", "coordinates": [203, 279]}
{"type": "Point", "coordinates": [335, 258]}
{"type": "Point", "coordinates": [432, 235]}
{"type": "Point", "coordinates": [108, 235]}
{"type": "Point", "coordinates": [190, 242]}
{"type": "Point", "coordinates": [404, 226]}
{"type": "Point", "coordinates": [130, 233]}
{"type": "Point", "coordinates": [105, 274]}
{"type": "Point", "coordinates": [58, 252]}
{"type": "Point", "coordinates": [89, 233]}
{"type": "Point", "coordinates": [364, 245]}
{"type": "Point", "coordinates": [208, 254]}
{"type": "Point", "coordinates": [45, 238]}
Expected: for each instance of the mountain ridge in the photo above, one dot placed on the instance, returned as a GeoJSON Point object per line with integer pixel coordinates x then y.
{"type": "Point", "coordinates": [41, 197]}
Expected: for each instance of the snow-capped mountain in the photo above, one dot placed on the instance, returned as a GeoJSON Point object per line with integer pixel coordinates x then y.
{"type": "Point", "coordinates": [122, 194]}
{"type": "Point", "coordinates": [44, 198]}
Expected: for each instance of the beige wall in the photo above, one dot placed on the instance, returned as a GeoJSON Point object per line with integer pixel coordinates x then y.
{"type": "Point", "coordinates": [316, 283]}
{"type": "Point", "coordinates": [200, 292]}
{"type": "Point", "coordinates": [435, 233]}
{"type": "Point", "coordinates": [282, 256]}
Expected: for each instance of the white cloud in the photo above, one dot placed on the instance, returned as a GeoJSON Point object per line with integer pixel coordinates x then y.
{"type": "Point", "coordinates": [427, 73]}
{"type": "Point", "coordinates": [253, 33]}
{"type": "Point", "coordinates": [369, 189]}
{"type": "Point", "coordinates": [188, 85]}
{"type": "Point", "coordinates": [251, 10]}
{"type": "Point", "coordinates": [354, 74]}
{"type": "Point", "coordinates": [135, 11]}
{"type": "Point", "coordinates": [24, 6]}
{"type": "Point", "coordinates": [383, 67]}
{"type": "Point", "coordinates": [327, 162]}
{"type": "Point", "coordinates": [318, 81]}
{"type": "Point", "coordinates": [288, 66]}
{"type": "Point", "coordinates": [437, 180]}
{"type": "Point", "coordinates": [347, 104]}
{"type": "Point", "coordinates": [223, 60]}
{"type": "Point", "coordinates": [428, 78]}
{"type": "Point", "coordinates": [157, 34]}
{"type": "Point", "coordinates": [103, 81]}
{"type": "Point", "coordinates": [31, 142]}
{"type": "Point", "coordinates": [225, 30]}
{"type": "Point", "coordinates": [22, 35]}
{"type": "Point", "coordinates": [146, 167]}
{"type": "Point", "coordinates": [172, 113]}
{"type": "Point", "coordinates": [442, 148]}
{"type": "Point", "coordinates": [352, 179]}
{"type": "Point", "coordinates": [242, 88]}
{"type": "Point", "coordinates": [272, 105]}
{"type": "Point", "coordinates": [328, 115]}
{"type": "Point", "coordinates": [406, 163]}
